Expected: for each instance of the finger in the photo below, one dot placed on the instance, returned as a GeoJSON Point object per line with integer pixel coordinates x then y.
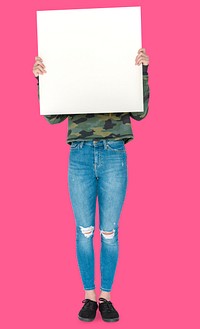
{"type": "Point", "coordinates": [39, 64]}
{"type": "Point", "coordinates": [138, 56]}
{"type": "Point", "coordinates": [39, 70]}
{"type": "Point", "coordinates": [142, 57]}
{"type": "Point", "coordinates": [37, 57]}
{"type": "Point", "coordinates": [142, 50]}
{"type": "Point", "coordinates": [141, 61]}
{"type": "Point", "coordinates": [35, 73]}
{"type": "Point", "coordinates": [136, 60]}
{"type": "Point", "coordinates": [39, 61]}
{"type": "Point", "coordinates": [39, 67]}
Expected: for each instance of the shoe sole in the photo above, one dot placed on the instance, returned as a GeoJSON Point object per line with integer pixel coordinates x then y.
{"type": "Point", "coordinates": [111, 320]}
{"type": "Point", "coordinates": [85, 319]}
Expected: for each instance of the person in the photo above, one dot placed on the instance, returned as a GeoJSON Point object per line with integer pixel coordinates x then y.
{"type": "Point", "coordinates": [98, 169]}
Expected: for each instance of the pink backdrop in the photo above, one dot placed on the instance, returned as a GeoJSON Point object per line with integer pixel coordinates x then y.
{"type": "Point", "coordinates": [157, 279]}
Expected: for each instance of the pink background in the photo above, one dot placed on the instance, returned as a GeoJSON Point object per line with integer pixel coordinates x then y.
{"type": "Point", "coordinates": [157, 280]}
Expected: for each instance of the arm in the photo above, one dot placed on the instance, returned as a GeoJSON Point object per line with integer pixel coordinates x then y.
{"type": "Point", "coordinates": [143, 59]}
{"type": "Point", "coordinates": [39, 68]}
{"type": "Point", "coordinates": [146, 93]}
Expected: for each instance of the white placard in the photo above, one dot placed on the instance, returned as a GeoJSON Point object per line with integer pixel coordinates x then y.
{"type": "Point", "coordinates": [89, 56]}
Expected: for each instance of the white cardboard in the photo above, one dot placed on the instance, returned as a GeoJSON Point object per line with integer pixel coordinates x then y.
{"type": "Point", "coordinates": [89, 56]}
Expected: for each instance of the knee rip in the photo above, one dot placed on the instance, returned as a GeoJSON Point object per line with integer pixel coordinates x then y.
{"type": "Point", "coordinates": [87, 231]}
{"type": "Point", "coordinates": [108, 235]}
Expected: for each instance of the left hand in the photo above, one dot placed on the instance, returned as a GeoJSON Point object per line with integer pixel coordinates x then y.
{"type": "Point", "coordinates": [142, 57]}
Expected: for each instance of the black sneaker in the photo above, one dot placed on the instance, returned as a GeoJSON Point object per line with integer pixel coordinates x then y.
{"type": "Point", "coordinates": [107, 310]}
{"type": "Point", "coordinates": [88, 311]}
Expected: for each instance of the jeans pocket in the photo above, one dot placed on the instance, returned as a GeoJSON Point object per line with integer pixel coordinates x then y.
{"type": "Point", "coordinates": [116, 146]}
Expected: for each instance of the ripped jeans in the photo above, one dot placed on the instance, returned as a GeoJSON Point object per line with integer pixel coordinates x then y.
{"type": "Point", "coordinates": [97, 169]}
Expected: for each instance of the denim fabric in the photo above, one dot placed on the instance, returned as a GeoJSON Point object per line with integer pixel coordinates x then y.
{"type": "Point", "coordinates": [97, 169]}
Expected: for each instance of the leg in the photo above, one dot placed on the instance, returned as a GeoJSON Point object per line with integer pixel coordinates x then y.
{"type": "Point", "coordinates": [112, 185]}
{"type": "Point", "coordinates": [83, 190]}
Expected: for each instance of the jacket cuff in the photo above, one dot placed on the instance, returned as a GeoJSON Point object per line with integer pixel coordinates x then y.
{"type": "Point", "coordinates": [37, 80]}
{"type": "Point", "coordinates": [145, 69]}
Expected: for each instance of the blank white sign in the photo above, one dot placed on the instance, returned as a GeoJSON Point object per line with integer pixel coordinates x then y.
{"type": "Point", "coordinates": [89, 56]}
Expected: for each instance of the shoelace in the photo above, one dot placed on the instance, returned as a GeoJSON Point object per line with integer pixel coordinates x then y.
{"type": "Point", "coordinates": [108, 304]}
{"type": "Point", "coordinates": [88, 304]}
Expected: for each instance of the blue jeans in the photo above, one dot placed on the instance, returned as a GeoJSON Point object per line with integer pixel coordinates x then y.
{"type": "Point", "coordinates": [97, 169]}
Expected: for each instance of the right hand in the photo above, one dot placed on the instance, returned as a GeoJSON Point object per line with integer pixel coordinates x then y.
{"type": "Point", "coordinates": [38, 67]}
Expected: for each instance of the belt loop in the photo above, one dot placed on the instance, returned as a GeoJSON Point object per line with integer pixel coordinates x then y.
{"type": "Point", "coordinates": [81, 144]}
{"type": "Point", "coordinates": [105, 144]}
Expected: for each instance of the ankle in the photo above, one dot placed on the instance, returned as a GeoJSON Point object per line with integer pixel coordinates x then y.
{"type": "Point", "coordinates": [105, 294]}
{"type": "Point", "coordinates": [90, 294]}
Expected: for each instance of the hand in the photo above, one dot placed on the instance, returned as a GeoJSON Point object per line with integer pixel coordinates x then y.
{"type": "Point", "coordinates": [142, 57]}
{"type": "Point", "coordinates": [38, 67]}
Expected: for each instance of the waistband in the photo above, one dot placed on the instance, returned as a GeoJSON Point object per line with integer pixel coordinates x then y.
{"type": "Point", "coordinates": [100, 143]}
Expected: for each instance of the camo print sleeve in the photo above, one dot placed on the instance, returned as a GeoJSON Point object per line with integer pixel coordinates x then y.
{"type": "Point", "coordinates": [57, 118]}
{"type": "Point", "coordinates": [141, 115]}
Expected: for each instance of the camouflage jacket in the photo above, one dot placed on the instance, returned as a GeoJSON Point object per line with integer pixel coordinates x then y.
{"type": "Point", "coordinates": [117, 126]}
